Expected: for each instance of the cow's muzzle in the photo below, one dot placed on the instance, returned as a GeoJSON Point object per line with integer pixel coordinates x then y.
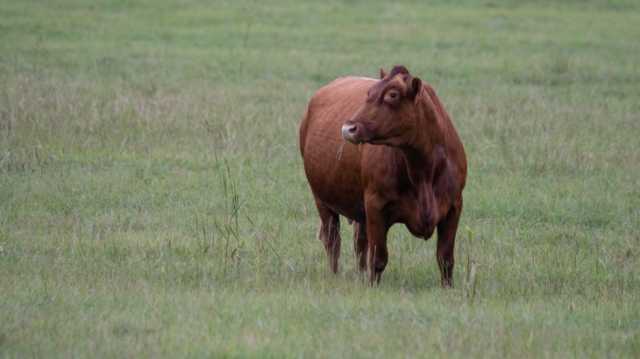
{"type": "Point", "coordinates": [351, 132]}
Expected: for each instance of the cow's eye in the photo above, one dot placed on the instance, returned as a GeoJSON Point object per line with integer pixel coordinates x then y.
{"type": "Point", "coordinates": [392, 96]}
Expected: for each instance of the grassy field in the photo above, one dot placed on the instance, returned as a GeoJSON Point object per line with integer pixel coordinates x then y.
{"type": "Point", "coordinates": [153, 201]}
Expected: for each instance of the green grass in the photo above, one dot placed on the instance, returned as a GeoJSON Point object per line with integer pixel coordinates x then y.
{"type": "Point", "coordinates": [153, 202]}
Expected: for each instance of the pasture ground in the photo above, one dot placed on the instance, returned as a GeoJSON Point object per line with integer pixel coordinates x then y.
{"type": "Point", "coordinates": [153, 202]}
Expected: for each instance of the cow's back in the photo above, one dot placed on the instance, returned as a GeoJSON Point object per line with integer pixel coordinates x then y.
{"type": "Point", "coordinates": [332, 164]}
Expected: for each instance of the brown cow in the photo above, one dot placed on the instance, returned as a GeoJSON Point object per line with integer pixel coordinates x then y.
{"type": "Point", "coordinates": [403, 163]}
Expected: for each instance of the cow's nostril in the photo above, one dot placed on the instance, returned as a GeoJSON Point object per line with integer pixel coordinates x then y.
{"type": "Point", "coordinates": [349, 131]}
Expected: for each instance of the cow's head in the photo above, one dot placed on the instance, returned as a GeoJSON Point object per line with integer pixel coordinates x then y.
{"type": "Point", "coordinates": [389, 115]}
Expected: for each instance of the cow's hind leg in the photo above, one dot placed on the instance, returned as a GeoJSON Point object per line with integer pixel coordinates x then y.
{"type": "Point", "coordinates": [360, 244]}
{"type": "Point", "coordinates": [329, 234]}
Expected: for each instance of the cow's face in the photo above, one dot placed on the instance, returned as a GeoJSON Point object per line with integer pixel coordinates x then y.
{"type": "Point", "coordinates": [388, 116]}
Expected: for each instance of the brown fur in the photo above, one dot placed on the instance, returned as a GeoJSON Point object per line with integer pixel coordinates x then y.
{"type": "Point", "coordinates": [408, 166]}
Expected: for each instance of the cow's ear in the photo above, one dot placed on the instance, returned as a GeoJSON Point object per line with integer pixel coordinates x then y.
{"type": "Point", "coordinates": [416, 86]}
{"type": "Point", "coordinates": [382, 73]}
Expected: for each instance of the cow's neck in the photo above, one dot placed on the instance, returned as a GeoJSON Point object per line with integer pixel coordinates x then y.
{"type": "Point", "coordinates": [424, 167]}
{"type": "Point", "coordinates": [426, 153]}
{"type": "Point", "coordinates": [426, 159]}
{"type": "Point", "coordinates": [420, 165]}
{"type": "Point", "coordinates": [422, 170]}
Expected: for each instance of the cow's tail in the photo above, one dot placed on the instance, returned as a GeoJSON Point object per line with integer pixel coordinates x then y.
{"type": "Point", "coordinates": [302, 132]}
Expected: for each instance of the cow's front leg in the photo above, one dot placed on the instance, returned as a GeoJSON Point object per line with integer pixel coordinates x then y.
{"type": "Point", "coordinates": [377, 228]}
{"type": "Point", "coordinates": [446, 245]}
{"type": "Point", "coordinates": [360, 244]}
